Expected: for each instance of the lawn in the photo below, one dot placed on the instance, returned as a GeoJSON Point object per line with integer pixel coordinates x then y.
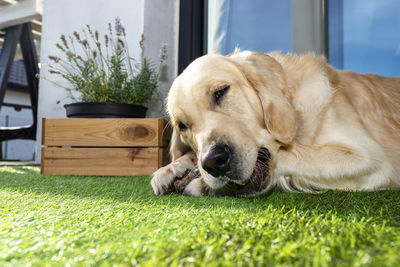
{"type": "Point", "coordinates": [81, 221]}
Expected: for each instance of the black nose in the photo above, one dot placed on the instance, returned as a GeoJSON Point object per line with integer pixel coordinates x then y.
{"type": "Point", "coordinates": [216, 160]}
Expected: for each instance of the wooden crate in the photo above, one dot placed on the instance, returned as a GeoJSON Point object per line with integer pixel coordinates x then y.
{"type": "Point", "coordinates": [105, 147]}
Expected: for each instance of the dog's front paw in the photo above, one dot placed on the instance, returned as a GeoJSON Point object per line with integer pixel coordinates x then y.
{"type": "Point", "coordinates": [197, 187]}
{"type": "Point", "coordinates": [162, 180]}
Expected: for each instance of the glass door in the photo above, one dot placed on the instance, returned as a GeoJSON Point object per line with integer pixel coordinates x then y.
{"type": "Point", "coordinates": [258, 25]}
{"type": "Point", "coordinates": [358, 35]}
{"type": "Point", "coordinates": [364, 36]}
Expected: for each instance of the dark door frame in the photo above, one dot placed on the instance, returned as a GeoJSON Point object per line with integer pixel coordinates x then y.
{"type": "Point", "coordinates": [192, 31]}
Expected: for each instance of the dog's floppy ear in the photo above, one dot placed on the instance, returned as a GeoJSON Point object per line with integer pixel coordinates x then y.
{"type": "Point", "coordinates": [177, 148]}
{"type": "Point", "coordinates": [267, 77]}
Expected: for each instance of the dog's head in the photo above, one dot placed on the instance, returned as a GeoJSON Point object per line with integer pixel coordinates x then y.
{"type": "Point", "coordinates": [232, 111]}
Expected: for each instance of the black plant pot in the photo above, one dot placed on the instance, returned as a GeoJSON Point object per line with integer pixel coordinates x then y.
{"type": "Point", "coordinates": [104, 110]}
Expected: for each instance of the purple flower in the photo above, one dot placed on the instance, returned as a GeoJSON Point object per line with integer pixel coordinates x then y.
{"type": "Point", "coordinates": [163, 52]}
{"type": "Point", "coordinates": [118, 26]}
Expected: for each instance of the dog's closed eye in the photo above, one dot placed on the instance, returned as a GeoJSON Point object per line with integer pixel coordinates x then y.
{"type": "Point", "coordinates": [220, 92]}
{"type": "Point", "coordinates": [182, 127]}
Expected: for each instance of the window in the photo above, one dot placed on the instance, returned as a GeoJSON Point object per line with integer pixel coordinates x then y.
{"type": "Point", "coordinates": [259, 25]}
{"type": "Point", "coordinates": [358, 35]}
{"type": "Point", "coordinates": [364, 36]}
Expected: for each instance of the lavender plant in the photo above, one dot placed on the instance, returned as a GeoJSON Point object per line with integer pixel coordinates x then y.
{"type": "Point", "coordinates": [106, 73]}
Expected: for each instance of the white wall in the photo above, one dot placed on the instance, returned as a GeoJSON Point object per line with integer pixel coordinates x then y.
{"type": "Point", "coordinates": [156, 19]}
{"type": "Point", "coordinates": [161, 21]}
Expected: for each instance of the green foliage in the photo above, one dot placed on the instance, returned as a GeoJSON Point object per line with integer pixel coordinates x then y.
{"type": "Point", "coordinates": [118, 221]}
{"type": "Point", "coordinates": [105, 73]}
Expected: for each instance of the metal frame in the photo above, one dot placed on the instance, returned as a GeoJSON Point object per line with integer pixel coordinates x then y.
{"type": "Point", "coordinates": [325, 24]}
{"type": "Point", "coordinates": [309, 26]}
{"type": "Point", "coordinates": [19, 34]}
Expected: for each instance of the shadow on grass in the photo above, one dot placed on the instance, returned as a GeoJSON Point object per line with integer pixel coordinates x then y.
{"type": "Point", "coordinates": [381, 206]}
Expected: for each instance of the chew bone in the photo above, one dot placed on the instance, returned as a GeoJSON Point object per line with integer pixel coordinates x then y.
{"type": "Point", "coordinates": [180, 183]}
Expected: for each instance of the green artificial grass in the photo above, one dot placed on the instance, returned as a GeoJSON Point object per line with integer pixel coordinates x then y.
{"type": "Point", "coordinates": [84, 221]}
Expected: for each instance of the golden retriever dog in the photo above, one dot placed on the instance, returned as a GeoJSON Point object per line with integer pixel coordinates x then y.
{"type": "Point", "coordinates": [251, 122]}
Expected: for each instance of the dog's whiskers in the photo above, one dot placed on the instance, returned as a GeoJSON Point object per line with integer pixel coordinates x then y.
{"type": "Point", "coordinates": [168, 124]}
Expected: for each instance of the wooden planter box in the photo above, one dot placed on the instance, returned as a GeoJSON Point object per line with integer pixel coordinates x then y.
{"type": "Point", "coordinates": [105, 147]}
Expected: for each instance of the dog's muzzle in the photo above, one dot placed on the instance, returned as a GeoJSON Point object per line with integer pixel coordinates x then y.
{"type": "Point", "coordinates": [258, 182]}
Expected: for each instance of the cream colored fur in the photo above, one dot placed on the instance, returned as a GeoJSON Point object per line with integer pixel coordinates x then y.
{"type": "Point", "coordinates": [325, 128]}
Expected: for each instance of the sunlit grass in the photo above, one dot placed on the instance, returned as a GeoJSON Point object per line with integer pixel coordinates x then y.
{"type": "Point", "coordinates": [56, 220]}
